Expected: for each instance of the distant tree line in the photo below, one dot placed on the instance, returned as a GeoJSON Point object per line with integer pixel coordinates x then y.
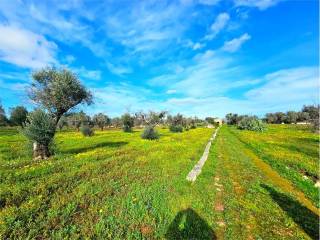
{"type": "Point", "coordinates": [309, 114]}
{"type": "Point", "coordinates": [75, 120]}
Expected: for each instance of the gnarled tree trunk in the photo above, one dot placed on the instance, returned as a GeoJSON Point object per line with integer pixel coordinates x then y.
{"type": "Point", "coordinates": [40, 151]}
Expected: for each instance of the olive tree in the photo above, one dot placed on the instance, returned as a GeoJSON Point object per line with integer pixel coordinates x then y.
{"type": "Point", "coordinates": [177, 123]}
{"type": "Point", "coordinates": [62, 122]}
{"type": "Point", "coordinates": [292, 117]}
{"type": "Point", "coordinates": [57, 91]}
{"type": "Point", "coordinates": [40, 129]}
{"type": "Point", "coordinates": [3, 118]}
{"type": "Point", "coordinates": [127, 122]}
{"type": "Point", "coordinates": [101, 120]}
{"type": "Point", "coordinates": [152, 119]}
{"type": "Point", "coordinates": [18, 115]}
{"type": "Point", "coordinates": [78, 119]}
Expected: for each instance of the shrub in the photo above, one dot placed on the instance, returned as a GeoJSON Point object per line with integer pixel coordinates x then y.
{"type": "Point", "coordinates": [86, 131]}
{"type": "Point", "coordinates": [40, 129]}
{"type": "Point", "coordinates": [252, 124]}
{"type": "Point", "coordinates": [127, 122]}
{"type": "Point", "coordinates": [176, 128]}
{"type": "Point", "coordinates": [149, 133]}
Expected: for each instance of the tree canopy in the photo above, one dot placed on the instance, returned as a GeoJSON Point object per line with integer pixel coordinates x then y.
{"type": "Point", "coordinates": [58, 91]}
{"type": "Point", "coordinates": [18, 115]}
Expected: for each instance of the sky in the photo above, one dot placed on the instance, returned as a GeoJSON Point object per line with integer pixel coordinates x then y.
{"type": "Point", "coordinates": [195, 57]}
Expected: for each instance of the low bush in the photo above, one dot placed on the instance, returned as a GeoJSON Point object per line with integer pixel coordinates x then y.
{"type": "Point", "coordinates": [40, 130]}
{"type": "Point", "coordinates": [252, 124]}
{"type": "Point", "coordinates": [40, 127]}
{"type": "Point", "coordinates": [149, 133]}
{"type": "Point", "coordinates": [86, 131]}
{"type": "Point", "coordinates": [176, 128]}
{"type": "Point", "coordinates": [127, 122]}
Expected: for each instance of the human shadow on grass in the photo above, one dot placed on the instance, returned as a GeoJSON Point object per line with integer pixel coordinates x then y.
{"type": "Point", "coordinates": [305, 218]}
{"type": "Point", "coordinates": [92, 147]}
{"type": "Point", "coordinates": [189, 225]}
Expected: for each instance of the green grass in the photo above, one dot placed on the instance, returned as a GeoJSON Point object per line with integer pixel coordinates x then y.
{"type": "Point", "coordinates": [292, 150]}
{"type": "Point", "coordinates": [116, 185]}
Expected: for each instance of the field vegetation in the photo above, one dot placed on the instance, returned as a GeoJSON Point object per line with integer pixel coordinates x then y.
{"type": "Point", "coordinates": [120, 186]}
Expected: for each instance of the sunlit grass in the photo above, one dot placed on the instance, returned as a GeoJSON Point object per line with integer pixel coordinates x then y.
{"type": "Point", "coordinates": [116, 185]}
{"type": "Point", "coordinates": [292, 150]}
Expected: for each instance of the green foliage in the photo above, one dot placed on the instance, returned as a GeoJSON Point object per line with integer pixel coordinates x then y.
{"type": "Point", "coordinates": [116, 122]}
{"type": "Point", "coordinates": [101, 120]}
{"type": "Point", "coordinates": [78, 119]}
{"type": "Point", "coordinates": [176, 123]}
{"type": "Point", "coordinates": [191, 123]}
{"type": "Point", "coordinates": [278, 117]}
{"type": "Point", "coordinates": [18, 116]}
{"type": "Point", "coordinates": [233, 119]}
{"type": "Point", "coordinates": [3, 118]}
{"type": "Point", "coordinates": [210, 120]}
{"type": "Point", "coordinates": [312, 110]}
{"type": "Point", "coordinates": [150, 133]}
{"type": "Point", "coordinates": [176, 128]}
{"type": "Point", "coordinates": [252, 124]}
{"type": "Point", "coordinates": [40, 127]}
{"type": "Point", "coordinates": [58, 91]}
{"type": "Point", "coordinates": [309, 113]}
{"type": "Point", "coordinates": [86, 131]}
{"type": "Point", "coordinates": [127, 122]}
{"type": "Point", "coordinates": [292, 117]}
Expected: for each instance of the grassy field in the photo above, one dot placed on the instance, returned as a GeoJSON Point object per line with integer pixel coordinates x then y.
{"type": "Point", "coordinates": [116, 185]}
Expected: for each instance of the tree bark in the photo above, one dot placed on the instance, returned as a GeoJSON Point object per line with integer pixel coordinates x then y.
{"type": "Point", "coordinates": [40, 151]}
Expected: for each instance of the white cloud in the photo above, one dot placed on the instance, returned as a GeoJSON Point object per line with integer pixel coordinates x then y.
{"type": "Point", "coordinates": [54, 19]}
{"type": "Point", "coordinates": [235, 44]}
{"type": "Point", "coordinates": [209, 73]}
{"type": "Point", "coordinates": [209, 2]}
{"type": "Point", "coordinates": [147, 27]}
{"type": "Point", "coordinates": [69, 59]}
{"type": "Point", "coordinates": [288, 85]}
{"type": "Point", "coordinates": [115, 99]}
{"type": "Point", "coordinates": [197, 46]}
{"type": "Point", "coordinates": [88, 74]}
{"type": "Point", "coordinates": [261, 4]}
{"type": "Point", "coordinates": [194, 46]}
{"type": "Point", "coordinates": [118, 70]}
{"type": "Point", "coordinates": [24, 48]}
{"type": "Point", "coordinates": [219, 24]}
{"type": "Point", "coordinates": [171, 91]}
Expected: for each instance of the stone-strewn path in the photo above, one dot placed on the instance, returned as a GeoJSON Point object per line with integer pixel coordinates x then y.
{"type": "Point", "coordinates": [193, 174]}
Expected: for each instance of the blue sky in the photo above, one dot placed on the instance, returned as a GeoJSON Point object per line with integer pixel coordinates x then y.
{"type": "Point", "coordinates": [196, 57]}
